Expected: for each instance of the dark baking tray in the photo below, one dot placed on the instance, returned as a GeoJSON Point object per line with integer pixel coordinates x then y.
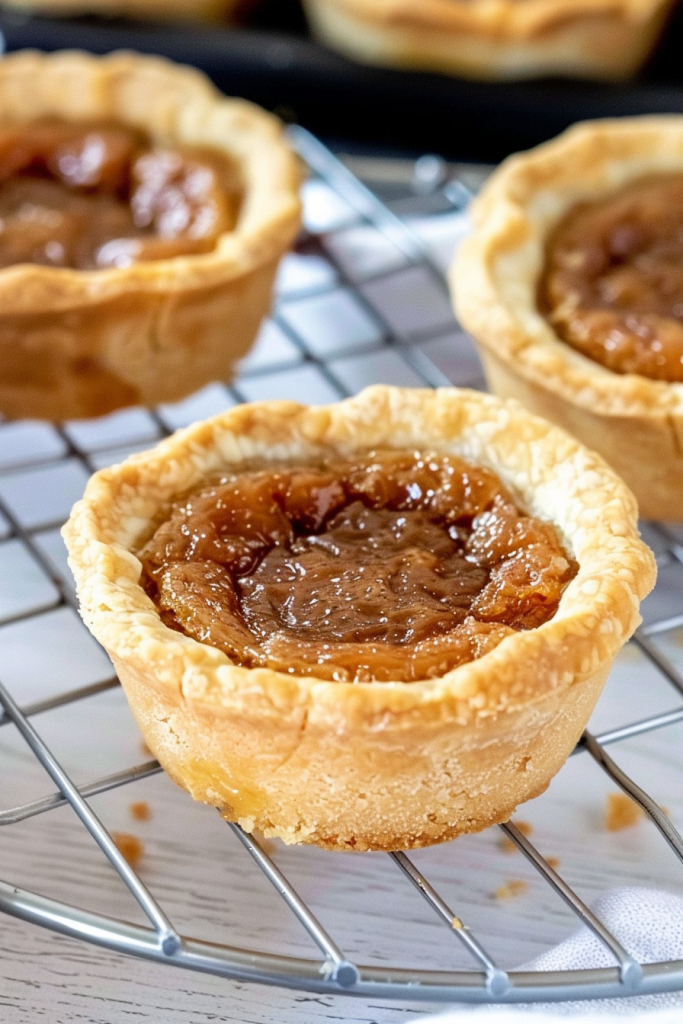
{"type": "Point", "coordinates": [274, 63]}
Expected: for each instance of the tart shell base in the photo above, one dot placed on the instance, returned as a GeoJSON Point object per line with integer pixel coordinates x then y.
{"type": "Point", "coordinates": [131, 350]}
{"type": "Point", "coordinates": [649, 459]}
{"type": "Point", "coordinates": [340, 789]}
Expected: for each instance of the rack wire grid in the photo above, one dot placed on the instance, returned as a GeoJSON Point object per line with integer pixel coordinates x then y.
{"type": "Point", "coordinates": [362, 299]}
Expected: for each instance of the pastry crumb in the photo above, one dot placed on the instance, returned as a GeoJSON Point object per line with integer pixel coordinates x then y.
{"type": "Point", "coordinates": [130, 846]}
{"type": "Point", "coordinates": [553, 862]}
{"type": "Point", "coordinates": [140, 810]}
{"type": "Point", "coordinates": [525, 827]}
{"type": "Point", "coordinates": [515, 887]}
{"type": "Point", "coordinates": [144, 749]}
{"type": "Point", "coordinates": [622, 812]}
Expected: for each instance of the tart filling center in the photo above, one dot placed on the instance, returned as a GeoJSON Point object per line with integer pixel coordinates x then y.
{"type": "Point", "coordinates": [392, 566]}
{"type": "Point", "coordinates": [613, 280]}
{"type": "Point", "coordinates": [94, 196]}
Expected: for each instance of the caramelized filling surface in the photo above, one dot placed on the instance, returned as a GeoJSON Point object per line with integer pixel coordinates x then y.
{"type": "Point", "coordinates": [393, 566]}
{"type": "Point", "coordinates": [613, 281]}
{"type": "Point", "coordinates": [94, 196]}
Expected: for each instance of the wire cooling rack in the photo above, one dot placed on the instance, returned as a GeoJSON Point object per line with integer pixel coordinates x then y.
{"type": "Point", "coordinates": [362, 299]}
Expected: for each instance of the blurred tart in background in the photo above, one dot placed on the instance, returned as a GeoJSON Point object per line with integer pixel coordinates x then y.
{"type": "Point", "coordinates": [142, 220]}
{"type": "Point", "coordinates": [494, 39]}
{"type": "Point", "coordinates": [572, 285]}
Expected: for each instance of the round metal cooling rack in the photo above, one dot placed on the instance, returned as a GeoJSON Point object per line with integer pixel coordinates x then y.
{"type": "Point", "coordinates": [331, 971]}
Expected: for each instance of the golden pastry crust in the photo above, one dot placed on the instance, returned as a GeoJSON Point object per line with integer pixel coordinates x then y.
{"type": "Point", "coordinates": [634, 422]}
{"type": "Point", "coordinates": [379, 766]}
{"type": "Point", "coordinates": [495, 39]}
{"type": "Point", "coordinates": [80, 343]}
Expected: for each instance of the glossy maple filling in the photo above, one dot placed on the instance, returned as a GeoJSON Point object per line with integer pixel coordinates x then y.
{"type": "Point", "coordinates": [613, 280]}
{"type": "Point", "coordinates": [96, 196]}
{"type": "Point", "coordinates": [391, 566]}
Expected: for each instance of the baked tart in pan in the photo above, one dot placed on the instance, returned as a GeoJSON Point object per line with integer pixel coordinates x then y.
{"type": "Point", "coordinates": [142, 219]}
{"type": "Point", "coordinates": [494, 39]}
{"type": "Point", "coordinates": [373, 625]}
{"type": "Point", "coordinates": [572, 286]}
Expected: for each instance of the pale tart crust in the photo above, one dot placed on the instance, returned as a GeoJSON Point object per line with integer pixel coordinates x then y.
{"type": "Point", "coordinates": [379, 766]}
{"type": "Point", "coordinates": [80, 343]}
{"type": "Point", "coordinates": [495, 39]}
{"type": "Point", "coordinates": [634, 422]}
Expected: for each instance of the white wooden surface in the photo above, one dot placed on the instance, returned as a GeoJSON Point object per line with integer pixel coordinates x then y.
{"type": "Point", "coordinates": [192, 863]}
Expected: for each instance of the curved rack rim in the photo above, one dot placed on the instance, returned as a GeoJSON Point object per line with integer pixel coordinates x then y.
{"type": "Point", "coordinates": [299, 973]}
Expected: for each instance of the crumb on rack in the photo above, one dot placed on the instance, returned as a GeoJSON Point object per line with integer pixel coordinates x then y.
{"type": "Point", "coordinates": [130, 846]}
{"type": "Point", "coordinates": [506, 844]}
{"type": "Point", "coordinates": [622, 812]}
{"type": "Point", "coordinates": [140, 810]}
{"type": "Point", "coordinates": [515, 887]}
{"type": "Point", "coordinates": [553, 862]}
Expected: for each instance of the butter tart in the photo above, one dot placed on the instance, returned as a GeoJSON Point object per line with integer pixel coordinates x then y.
{"type": "Point", "coordinates": [571, 285]}
{"type": "Point", "coordinates": [494, 39]}
{"type": "Point", "coordinates": [372, 625]}
{"type": "Point", "coordinates": [142, 219]}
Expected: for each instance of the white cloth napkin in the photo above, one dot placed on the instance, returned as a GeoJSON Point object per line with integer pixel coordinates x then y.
{"type": "Point", "coordinates": [647, 922]}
